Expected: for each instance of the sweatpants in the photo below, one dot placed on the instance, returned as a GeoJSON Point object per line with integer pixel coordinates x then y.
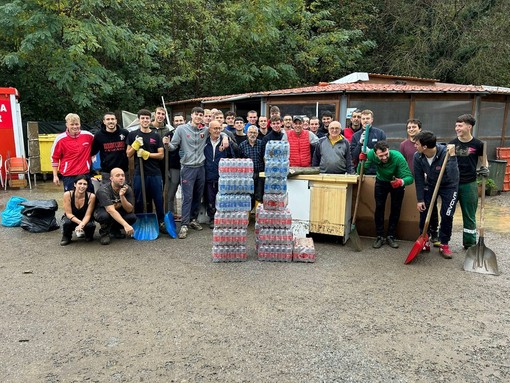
{"type": "Point", "coordinates": [468, 200]}
{"type": "Point", "coordinates": [192, 188]}
{"type": "Point", "coordinates": [448, 202]}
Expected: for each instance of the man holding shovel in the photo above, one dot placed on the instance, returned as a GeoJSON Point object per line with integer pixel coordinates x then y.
{"type": "Point", "coordinates": [428, 160]}
{"type": "Point", "coordinates": [148, 145]}
{"type": "Point", "coordinates": [468, 151]}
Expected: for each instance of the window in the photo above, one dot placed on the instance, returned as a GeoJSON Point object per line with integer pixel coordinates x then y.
{"type": "Point", "coordinates": [389, 115]}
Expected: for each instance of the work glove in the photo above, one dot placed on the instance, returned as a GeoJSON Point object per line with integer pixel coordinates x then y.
{"type": "Point", "coordinates": [397, 183]}
{"type": "Point", "coordinates": [483, 171]}
{"type": "Point", "coordinates": [137, 143]}
{"type": "Point", "coordinates": [143, 153]}
{"type": "Point", "coordinates": [362, 138]}
{"type": "Point", "coordinates": [362, 156]}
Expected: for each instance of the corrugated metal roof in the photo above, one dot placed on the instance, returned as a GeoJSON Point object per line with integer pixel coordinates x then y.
{"type": "Point", "coordinates": [358, 87]}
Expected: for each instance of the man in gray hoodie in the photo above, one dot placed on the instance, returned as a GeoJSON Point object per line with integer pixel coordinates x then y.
{"type": "Point", "coordinates": [190, 138]}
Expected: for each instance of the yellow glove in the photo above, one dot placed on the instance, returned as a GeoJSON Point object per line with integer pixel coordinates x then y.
{"type": "Point", "coordinates": [137, 143]}
{"type": "Point", "coordinates": [143, 153]}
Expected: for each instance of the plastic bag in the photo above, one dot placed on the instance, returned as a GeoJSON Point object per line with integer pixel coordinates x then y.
{"type": "Point", "coordinates": [39, 216]}
{"type": "Point", "coordinates": [11, 216]}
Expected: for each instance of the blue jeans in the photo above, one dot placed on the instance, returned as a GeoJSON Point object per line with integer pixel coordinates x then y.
{"type": "Point", "coordinates": [192, 187]}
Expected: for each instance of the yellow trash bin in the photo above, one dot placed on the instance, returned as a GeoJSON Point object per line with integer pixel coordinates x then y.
{"type": "Point", "coordinates": [45, 144]}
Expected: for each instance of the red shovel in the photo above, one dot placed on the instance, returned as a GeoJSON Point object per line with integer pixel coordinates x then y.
{"type": "Point", "coordinates": [423, 238]}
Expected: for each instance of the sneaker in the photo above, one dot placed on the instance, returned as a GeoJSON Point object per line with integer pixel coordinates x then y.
{"type": "Point", "coordinates": [445, 251]}
{"type": "Point", "coordinates": [65, 241]}
{"type": "Point", "coordinates": [105, 240]}
{"type": "Point", "coordinates": [183, 233]}
{"type": "Point", "coordinates": [195, 225]}
{"type": "Point", "coordinates": [434, 239]}
{"type": "Point", "coordinates": [426, 246]}
{"type": "Point", "coordinates": [211, 224]}
{"type": "Point", "coordinates": [392, 242]}
{"type": "Point", "coordinates": [379, 241]}
{"type": "Point", "coordinates": [162, 228]}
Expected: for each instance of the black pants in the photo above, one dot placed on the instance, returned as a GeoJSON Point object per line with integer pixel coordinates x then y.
{"type": "Point", "coordinates": [381, 191]}
{"type": "Point", "coordinates": [108, 224]}
{"type": "Point", "coordinates": [68, 227]}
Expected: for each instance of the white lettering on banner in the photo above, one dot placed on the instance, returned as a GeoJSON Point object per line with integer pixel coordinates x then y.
{"type": "Point", "coordinates": [0, 118]}
{"type": "Point", "coordinates": [3, 108]}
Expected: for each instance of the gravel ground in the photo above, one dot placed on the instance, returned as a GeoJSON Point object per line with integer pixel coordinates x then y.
{"type": "Point", "coordinates": [161, 311]}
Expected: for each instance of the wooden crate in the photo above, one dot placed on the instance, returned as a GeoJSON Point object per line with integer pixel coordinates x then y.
{"type": "Point", "coordinates": [327, 212]}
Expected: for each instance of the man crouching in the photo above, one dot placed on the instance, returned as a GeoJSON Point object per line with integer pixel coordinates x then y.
{"type": "Point", "coordinates": [115, 207]}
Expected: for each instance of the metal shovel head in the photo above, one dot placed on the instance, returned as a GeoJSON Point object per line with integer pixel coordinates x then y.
{"type": "Point", "coordinates": [146, 227]}
{"type": "Point", "coordinates": [355, 239]}
{"type": "Point", "coordinates": [480, 259]}
{"type": "Point", "coordinates": [417, 248]}
{"type": "Point", "coordinates": [170, 227]}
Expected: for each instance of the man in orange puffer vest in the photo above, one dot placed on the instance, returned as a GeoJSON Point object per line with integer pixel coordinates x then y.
{"type": "Point", "coordinates": [301, 142]}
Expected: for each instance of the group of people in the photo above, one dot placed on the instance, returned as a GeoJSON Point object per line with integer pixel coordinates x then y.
{"type": "Point", "coordinates": [189, 154]}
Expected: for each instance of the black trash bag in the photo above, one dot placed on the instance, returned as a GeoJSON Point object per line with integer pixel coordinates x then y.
{"type": "Point", "coordinates": [39, 216]}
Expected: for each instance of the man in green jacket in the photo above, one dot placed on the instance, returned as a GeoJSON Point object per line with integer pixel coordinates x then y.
{"type": "Point", "coordinates": [392, 175]}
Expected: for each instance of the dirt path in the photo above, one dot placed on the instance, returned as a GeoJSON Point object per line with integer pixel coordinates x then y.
{"type": "Point", "coordinates": [161, 311]}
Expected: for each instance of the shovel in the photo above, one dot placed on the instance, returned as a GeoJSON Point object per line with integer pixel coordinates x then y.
{"type": "Point", "coordinates": [354, 236]}
{"type": "Point", "coordinates": [169, 217]}
{"type": "Point", "coordinates": [418, 245]}
{"type": "Point", "coordinates": [480, 259]}
{"type": "Point", "coordinates": [146, 226]}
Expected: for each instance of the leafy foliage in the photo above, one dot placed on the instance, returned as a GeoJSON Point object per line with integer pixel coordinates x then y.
{"type": "Point", "coordinates": [90, 56]}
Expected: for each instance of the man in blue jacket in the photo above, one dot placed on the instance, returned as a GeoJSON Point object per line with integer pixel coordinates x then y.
{"type": "Point", "coordinates": [428, 159]}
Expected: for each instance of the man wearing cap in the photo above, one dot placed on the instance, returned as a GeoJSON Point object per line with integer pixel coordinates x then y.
{"type": "Point", "coordinates": [301, 144]}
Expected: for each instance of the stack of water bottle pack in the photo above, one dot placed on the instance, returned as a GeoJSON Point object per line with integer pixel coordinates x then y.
{"type": "Point", "coordinates": [273, 219]}
{"type": "Point", "coordinates": [233, 202]}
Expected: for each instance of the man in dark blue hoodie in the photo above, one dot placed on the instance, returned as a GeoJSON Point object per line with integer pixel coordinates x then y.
{"type": "Point", "coordinates": [428, 159]}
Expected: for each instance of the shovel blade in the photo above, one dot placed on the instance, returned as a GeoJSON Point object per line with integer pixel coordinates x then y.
{"type": "Point", "coordinates": [480, 259]}
{"type": "Point", "coordinates": [170, 226]}
{"type": "Point", "coordinates": [146, 227]}
{"type": "Point", "coordinates": [417, 248]}
{"type": "Point", "coordinates": [355, 239]}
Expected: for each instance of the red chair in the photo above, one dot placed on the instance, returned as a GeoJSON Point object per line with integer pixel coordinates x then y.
{"type": "Point", "coordinates": [17, 166]}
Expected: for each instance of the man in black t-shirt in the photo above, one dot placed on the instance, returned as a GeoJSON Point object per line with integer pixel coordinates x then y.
{"type": "Point", "coordinates": [115, 207]}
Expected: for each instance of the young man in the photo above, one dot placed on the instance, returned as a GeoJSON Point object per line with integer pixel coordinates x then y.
{"type": "Point", "coordinates": [70, 153]}
{"type": "Point", "coordinates": [306, 123]}
{"type": "Point", "coordinates": [287, 122]}
{"type": "Point", "coordinates": [207, 117]}
{"type": "Point", "coordinates": [212, 159]}
{"type": "Point", "coordinates": [301, 144]}
{"type": "Point", "coordinates": [146, 144]}
{"type": "Point", "coordinates": [367, 118]}
{"type": "Point", "coordinates": [229, 119]}
{"type": "Point", "coordinates": [110, 143]}
{"type": "Point", "coordinates": [159, 127]}
{"type": "Point", "coordinates": [355, 125]}
{"type": "Point", "coordinates": [178, 119]}
{"type": "Point", "coordinates": [263, 127]}
{"type": "Point", "coordinates": [326, 119]}
{"type": "Point", "coordinates": [251, 118]}
{"type": "Point", "coordinates": [276, 133]}
{"type": "Point", "coordinates": [191, 138]}
{"type": "Point", "coordinates": [427, 166]}
{"type": "Point", "coordinates": [314, 125]}
{"type": "Point", "coordinates": [240, 136]}
{"type": "Point", "coordinates": [469, 150]}
{"type": "Point", "coordinates": [407, 148]}
{"type": "Point", "coordinates": [115, 207]}
{"type": "Point", "coordinates": [392, 175]}
{"type": "Point", "coordinates": [332, 154]}
{"type": "Point", "coordinates": [252, 148]}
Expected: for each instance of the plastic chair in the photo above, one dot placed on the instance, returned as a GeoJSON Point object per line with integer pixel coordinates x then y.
{"type": "Point", "coordinates": [17, 166]}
